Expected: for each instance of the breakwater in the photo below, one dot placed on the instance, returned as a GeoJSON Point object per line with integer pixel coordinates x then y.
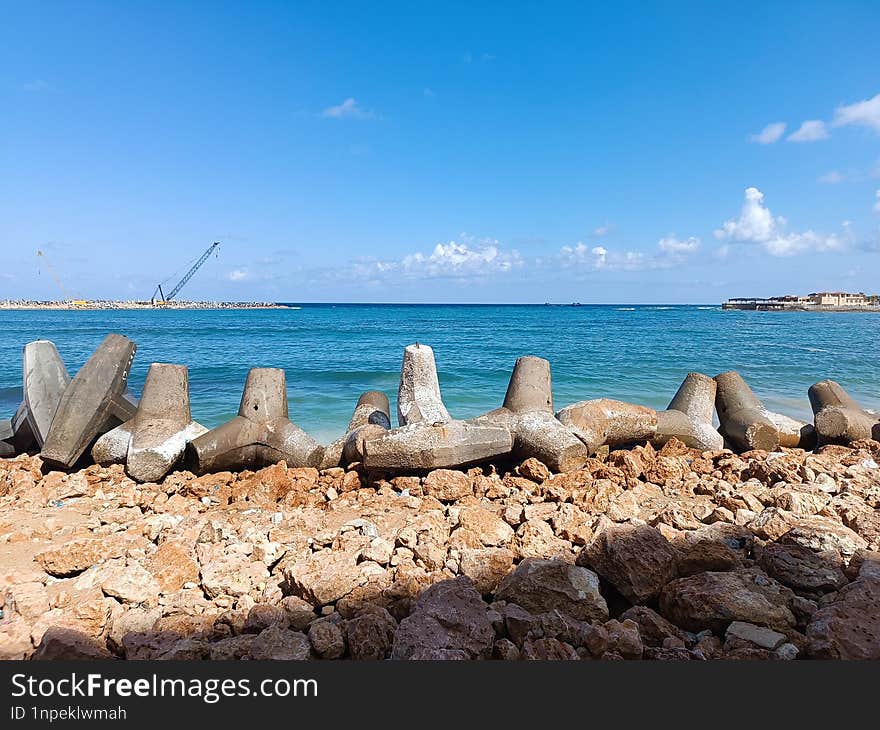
{"type": "Point", "coordinates": [93, 414]}
{"type": "Point", "coordinates": [333, 353]}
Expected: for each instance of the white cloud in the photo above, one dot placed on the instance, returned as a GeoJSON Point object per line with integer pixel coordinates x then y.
{"type": "Point", "coordinates": [671, 251]}
{"type": "Point", "coordinates": [770, 134]}
{"type": "Point", "coordinates": [464, 259]}
{"type": "Point", "coordinates": [348, 109]}
{"type": "Point", "coordinates": [812, 130]}
{"type": "Point", "coordinates": [756, 224]}
{"type": "Point", "coordinates": [877, 204]}
{"type": "Point", "coordinates": [674, 246]}
{"type": "Point", "coordinates": [831, 178]}
{"type": "Point", "coordinates": [36, 85]}
{"type": "Point", "coordinates": [603, 230]}
{"type": "Point", "coordinates": [864, 113]}
{"type": "Point", "coordinates": [238, 275]}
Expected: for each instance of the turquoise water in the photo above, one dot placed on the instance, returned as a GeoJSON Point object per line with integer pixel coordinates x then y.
{"type": "Point", "coordinates": [332, 353]}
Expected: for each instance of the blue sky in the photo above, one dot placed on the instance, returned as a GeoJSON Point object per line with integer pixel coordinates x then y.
{"type": "Point", "coordinates": [511, 153]}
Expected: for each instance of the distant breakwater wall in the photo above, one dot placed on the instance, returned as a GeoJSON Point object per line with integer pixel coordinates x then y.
{"type": "Point", "coordinates": [93, 416]}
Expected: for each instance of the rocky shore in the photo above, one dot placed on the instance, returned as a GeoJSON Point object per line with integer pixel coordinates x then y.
{"type": "Point", "coordinates": [671, 553]}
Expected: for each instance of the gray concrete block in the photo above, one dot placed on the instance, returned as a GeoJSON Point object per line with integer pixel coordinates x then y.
{"type": "Point", "coordinates": [260, 435]}
{"type": "Point", "coordinates": [604, 421]}
{"type": "Point", "coordinates": [436, 446]}
{"type": "Point", "coordinates": [839, 419]}
{"type": "Point", "coordinates": [418, 396]}
{"type": "Point", "coordinates": [87, 407]}
{"type": "Point", "coordinates": [689, 417]}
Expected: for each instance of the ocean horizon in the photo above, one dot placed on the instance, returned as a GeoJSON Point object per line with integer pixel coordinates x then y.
{"type": "Point", "coordinates": [332, 352]}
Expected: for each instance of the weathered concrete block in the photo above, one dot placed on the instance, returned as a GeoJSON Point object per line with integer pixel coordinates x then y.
{"type": "Point", "coordinates": [153, 442]}
{"type": "Point", "coordinates": [371, 418]}
{"type": "Point", "coordinates": [606, 421]}
{"type": "Point", "coordinates": [93, 402]}
{"type": "Point", "coordinates": [689, 415]}
{"type": "Point", "coordinates": [528, 413]}
{"type": "Point", "coordinates": [418, 397]}
{"type": "Point", "coordinates": [436, 446]}
{"type": "Point", "coordinates": [44, 380]}
{"type": "Point", "coordinates": [838, 418]}
{"type": "Point", "coordinates": [747, 424]}
{"type": "Point", "coordinates": [260, 435]}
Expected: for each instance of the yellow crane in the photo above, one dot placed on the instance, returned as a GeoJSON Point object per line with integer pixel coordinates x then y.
{"type": "Point", "coordinates": [67, 298]}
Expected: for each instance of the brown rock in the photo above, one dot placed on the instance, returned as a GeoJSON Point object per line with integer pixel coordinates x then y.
{"type": "Point", "coordinates": [262, 616]}
{"type": "Point", "coordinates": [849, 628]}
{"type": "Point", "coordinates": [370, 635]}
{"type": "Point", "coordinates": [328, 575]}
{"type": "Point", "coordinates": [491, 529]}
{"type": "Point", "coordinates": [637, 560]}
{"type": "Point", "coordinates": [705, 555]}
{"type": "Point", "coordinates": [449, 615]}
{"type": "Point", "coordinates": [534, 470]}
{"type": "Point", "coordinates": [447, 485]}
{"type": "Point", "coordinates": [131, 584]}
{"type": "Point", "coordinates": [64, 643]}
{"type": "Point", "coordinates": [712, 600]}
{"type": "Point", "coordinates": [544, 585]}
{"type": "Point", "coordinates": [800, 568]}
{"type": "Point", "coordinates": [230, 573]}
{"type": "Point", "coordinates": [29, 600]}
{"type": "Point", "coordinates": [624, 639]}
{"type": "Point", "coordinates": [279, 644]}
{"type": "Point", "coordinates": [535, 538]}
{"type": "Point", "coordinates": [486, 567]}
{"type": "Point", "coordinates": [172, 567]}
{"type": "Point", "coordinates": [548, 649]}
{"type": "Point", "coordinates": [75, 556]}
{"type": "Point", "coordinates": [573, 524]}
{"type": "Point", "coordinates": [654, 630]}
{"type": "Point", "coordinates": [327, 639]}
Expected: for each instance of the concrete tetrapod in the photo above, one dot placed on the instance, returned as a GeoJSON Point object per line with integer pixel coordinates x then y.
{"type": "Point", "coordinates": [154, 440]}
{"type": "Point", "coordinates": [839, 419]}
{"type": "Point", "coordinates": [747, 424]}
{"type": "Point", "coordinates": [428, 437]}
{"type": "Point", "coordinates": [44, 379]}
{"type": "Point", "coordinates": [528, 413]}
{"type": "Point", "coordinates": [93, 402]}
{"type": "Point", "coordinates": [689, 415]}
{"type": "Point", "coordinates": [418, 396]}
{"type": "Point", "coordinates": [604, 421]}
{"type": "Point", "coordinates": [260, 435]}
{"type": "Point", "coordinates": [371, 418]}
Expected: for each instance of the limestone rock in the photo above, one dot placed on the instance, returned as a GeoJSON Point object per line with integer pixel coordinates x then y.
{"type": "Point", "coordinates": [544, 585]}
{"type": "Point", "coordinates": [848, 628]}
{"type": "Point", "coordinates": [637, 560]}
{"type": "Point", "coordinates": [449, 615]}
{"type": "Point", "coordinates": [713, 600]}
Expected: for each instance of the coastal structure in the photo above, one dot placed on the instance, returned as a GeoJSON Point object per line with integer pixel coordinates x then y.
{"type": "Point", "coordinates": [89, 304]}
{"type": "Point", "coordinates": [817, 301]}
{"type": "Point", "coordinates": [158, 433]}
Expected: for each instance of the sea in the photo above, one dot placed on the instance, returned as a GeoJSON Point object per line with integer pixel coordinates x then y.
{"type": "Point", "coordinates": [331, 353]}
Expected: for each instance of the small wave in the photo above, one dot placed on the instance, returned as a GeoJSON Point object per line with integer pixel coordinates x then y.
{"type": "Point", "coordinates": [707, 307]}
{"type": "Point", "coordinates": [626, 309]}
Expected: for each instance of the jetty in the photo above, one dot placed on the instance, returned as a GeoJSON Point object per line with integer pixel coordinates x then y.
{"type": "Point", "coordinates": [815, 302]}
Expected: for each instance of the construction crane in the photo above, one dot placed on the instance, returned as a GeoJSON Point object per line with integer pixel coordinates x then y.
{"type": "Point", "coordinates": [51, 269]}
{"type": "Point", "coordinates": [163, 299]}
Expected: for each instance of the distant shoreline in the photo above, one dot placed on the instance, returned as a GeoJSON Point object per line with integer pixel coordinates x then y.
{"type": "Point", "coordinates": [108, 305]}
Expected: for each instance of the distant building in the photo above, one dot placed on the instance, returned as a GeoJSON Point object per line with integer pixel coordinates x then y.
{"type": "Point", "coordinates": [839, 299]}
{"type": "Point", "coordinates": [814, 301]}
